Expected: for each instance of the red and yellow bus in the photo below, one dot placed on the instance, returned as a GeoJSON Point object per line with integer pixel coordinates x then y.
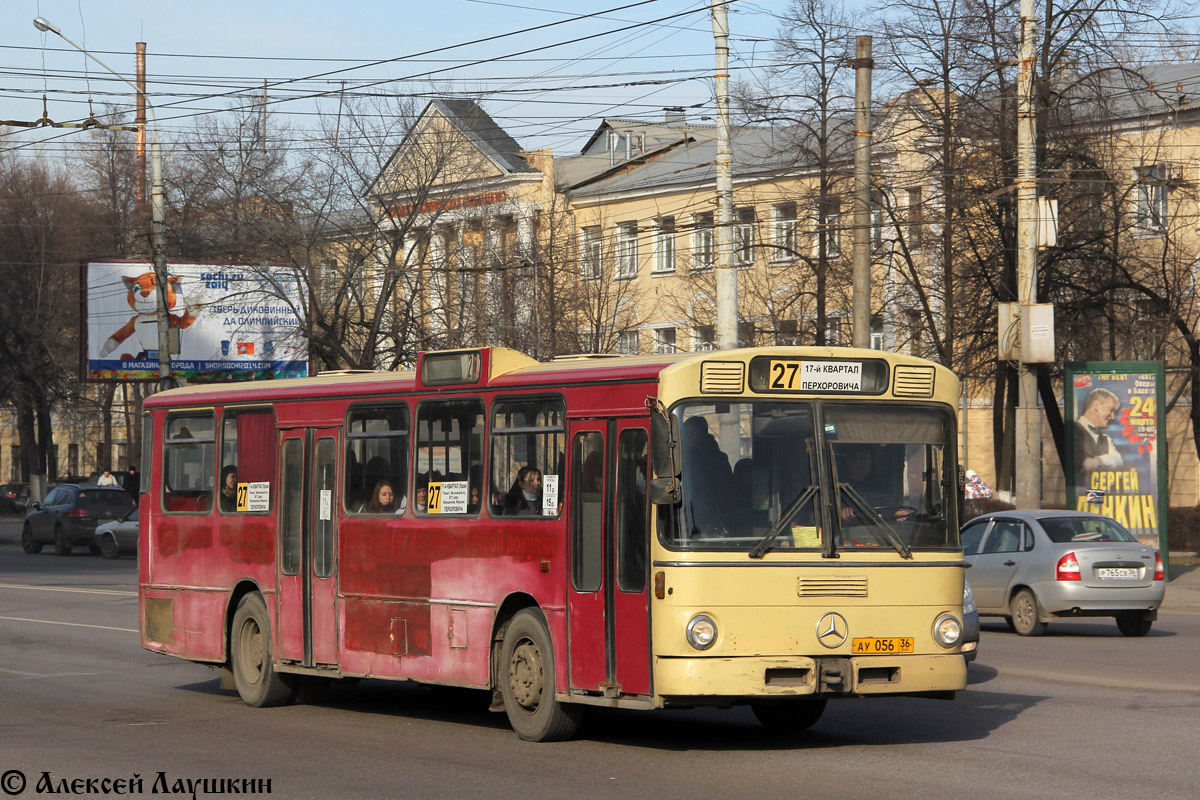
{"type": "Point", "coordinates": [772, 526]}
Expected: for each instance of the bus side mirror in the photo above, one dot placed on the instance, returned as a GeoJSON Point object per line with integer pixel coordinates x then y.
{"type": "Point", "coordinates": [664, 491]}
{"type": "Point", "coordinates": [665, 450]}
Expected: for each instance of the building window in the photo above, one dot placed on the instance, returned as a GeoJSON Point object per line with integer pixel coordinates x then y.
{"type": "Point", "coordinates": [784, 217]}
{"type": "Point", "coordinates": [627, 343]}
{"type": "Point", "coordinates": [916, 222]}
{"type": "Point", "coordinates": [743, 236]}
{"type": "Point", "coordinates": [833, 331]}
{"type": "Point", "coordinates": [745, 334]}
{"type": "Point", "coordinates": [627, 254]}
{"type": "Point", "coordinates": [704, 338]}
{"type": "Point", "coordinates": [664, 245]}
{"type": "Point", "coordinates": [832, 228]}
{"type": "Point", "coordinates": [702, 241]}
{"type": "Point", "coordinates": [788, 333]}
{"type": "Point", "coordinates": [589, 253]}
{"type": "Point", "coordinates": [1152, 198]}
{"type": "Point", "coordinates": [664, 340]}
{"type": "Point", "coordinates": [876, 227]}
{"type": "Point", "coordinates": [876, 332]}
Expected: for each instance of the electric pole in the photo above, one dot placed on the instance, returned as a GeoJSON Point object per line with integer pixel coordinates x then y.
{"type": "Point", "coordinates": [727, 310]}
{"type": "Point", "coordinates": [861, 266]}
{"type": "Point", "coordinates": [1028, 462]}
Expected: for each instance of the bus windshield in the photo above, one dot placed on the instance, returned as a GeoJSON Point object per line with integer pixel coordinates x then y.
{"type": "Point", "coordinates": [765, 475]}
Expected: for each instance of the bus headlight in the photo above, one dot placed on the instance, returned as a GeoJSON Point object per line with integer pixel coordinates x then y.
{"type": "Point", "coordinates": [947, 631]}
{"type": "Point", "coordinates": [701, 632]}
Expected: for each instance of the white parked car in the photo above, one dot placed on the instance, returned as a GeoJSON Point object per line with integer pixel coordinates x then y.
{"type": "Point", "coordinates": [119, 536]}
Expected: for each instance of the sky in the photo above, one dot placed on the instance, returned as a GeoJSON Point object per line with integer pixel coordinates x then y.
{"type": "Point", "coordinates": [637, 61]}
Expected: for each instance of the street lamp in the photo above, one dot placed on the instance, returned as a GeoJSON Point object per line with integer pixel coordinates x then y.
{"type": "Point", "coordinates": [157, 221]}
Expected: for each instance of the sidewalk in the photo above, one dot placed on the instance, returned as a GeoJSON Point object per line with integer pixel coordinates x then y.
{"type": "Point", "coordinates": [1183, 590]}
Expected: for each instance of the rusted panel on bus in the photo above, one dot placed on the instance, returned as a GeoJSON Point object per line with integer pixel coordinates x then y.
{"type": "Point", "coordinates": [159, 620]}
{"type": "Point", "coordinates": [387, 628]}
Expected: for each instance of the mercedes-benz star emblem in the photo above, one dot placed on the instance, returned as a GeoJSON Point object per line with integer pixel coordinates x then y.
{"type": "Point", "coordinates": [832, 630]}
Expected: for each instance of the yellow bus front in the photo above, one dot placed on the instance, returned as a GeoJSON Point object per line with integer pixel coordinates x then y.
{"type": "Point", "coordinates": [806, 516]}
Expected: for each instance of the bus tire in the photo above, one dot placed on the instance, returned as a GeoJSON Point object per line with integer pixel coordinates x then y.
{"type": "Point", "coordinates": [526, 678]}
{"type": "Point", "coordinates": [254, 673]}
{"type": "Point", "coordinates": [784, 716]}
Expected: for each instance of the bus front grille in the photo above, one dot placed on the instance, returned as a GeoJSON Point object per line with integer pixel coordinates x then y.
{"type": "Point", "coordinates": [831, 587]}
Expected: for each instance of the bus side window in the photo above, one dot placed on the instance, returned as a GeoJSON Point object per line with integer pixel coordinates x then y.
{"type": "Point", "coordinates": [449, 450]}
{"type": "Point", "coordinates": [189, 463]}
{"type": "Point", "coordinates": [526, 432]}
{"type": "Point", "coordinates": [248, 448]}
{"type": "Point", "coordinates": [376, 452]}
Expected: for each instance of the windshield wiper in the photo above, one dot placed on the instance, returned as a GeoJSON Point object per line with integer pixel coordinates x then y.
{"type": "Point", "coordinates": [877, 524]}
{"type": "Point", "coordinates": [764, 544]}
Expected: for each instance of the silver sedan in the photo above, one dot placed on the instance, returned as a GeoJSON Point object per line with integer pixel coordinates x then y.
{"type": "Point", "coordinates": [1031, 567]}
{"type": "Point", "coordinates": [119, 536]}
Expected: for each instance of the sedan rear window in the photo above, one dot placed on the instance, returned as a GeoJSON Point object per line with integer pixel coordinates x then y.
{"type": "Point", "coordinates": [1085, 529]}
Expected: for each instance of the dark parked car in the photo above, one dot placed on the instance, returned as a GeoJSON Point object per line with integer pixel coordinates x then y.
{"type": "Point", "coordinates": [69, 515]}
{"type": "Point", "coordinates": [13, 498]}
{"type": "Point", "coordinates": [120, 536]}
{"type": "Point", "coordinates": [1031, 567]}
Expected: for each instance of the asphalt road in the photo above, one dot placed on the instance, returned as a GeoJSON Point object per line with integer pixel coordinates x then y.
{"type": "Point", "coordinates": [1080, 713]}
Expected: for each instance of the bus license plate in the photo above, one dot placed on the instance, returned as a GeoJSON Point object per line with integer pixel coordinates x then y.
{"type": "Point", "coordinates": [889, 644]}
{"type": "Point", "coordinates": [1117, 573]}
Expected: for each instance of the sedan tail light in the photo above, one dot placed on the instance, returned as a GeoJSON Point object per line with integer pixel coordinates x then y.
{"type": "Point", "coordinates": [1158, 567]}
{"type": "Point", "coordinates": [1068, 568]}
{"type": "Point", "coordinates": [79, 512]}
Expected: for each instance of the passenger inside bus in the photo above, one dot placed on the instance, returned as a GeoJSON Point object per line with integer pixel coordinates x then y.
{"type": "Point", "coordinates": [707, 479]}
{"type": "Point", "coordinates": [383, 500]}
{"type": "Point", "coordinates": [524, 499]}
{"type": "Point", "coordinates": [421, 495]}
{"type": "Point", "coordinates": [228, 495]}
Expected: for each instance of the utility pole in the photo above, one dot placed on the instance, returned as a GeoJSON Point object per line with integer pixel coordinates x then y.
{"type": "Point", "coordinates": [140, 123]}
{"type": "Point", "coordinates": [727, 305]}
{"type": "Point", "coordinates": [861, 267]}
{"type": "Point", "coordinates": [1028, 463]}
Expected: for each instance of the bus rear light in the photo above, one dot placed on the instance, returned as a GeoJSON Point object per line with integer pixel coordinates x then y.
{"type": "Point", "coordinates": [1158, 568]}
{"type": "Point", "coordinates": [1068, 568]}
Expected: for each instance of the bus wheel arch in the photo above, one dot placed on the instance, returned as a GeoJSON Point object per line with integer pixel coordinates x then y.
{"type": "Point", "coordinates": [251, 656]}
{"type": "Point", "coordinates": [525, 675]}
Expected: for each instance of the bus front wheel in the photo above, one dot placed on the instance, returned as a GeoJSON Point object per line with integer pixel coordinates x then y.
{"type": "Point", "coordinates": [788, 715]}
{"type": "Point", "coordinates": [527, 682]}
{"type": "Point", "coordinates": [250, 651]}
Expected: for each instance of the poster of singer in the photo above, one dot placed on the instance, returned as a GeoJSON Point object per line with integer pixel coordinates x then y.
{"type": "Point", "coordinates": [1115, 433]}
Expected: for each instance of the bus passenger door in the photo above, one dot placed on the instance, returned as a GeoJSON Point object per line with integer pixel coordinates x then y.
{"type": "Point", "coordinates": [308, 546]}
{"type": "Point", "coordinates": [608, 646]}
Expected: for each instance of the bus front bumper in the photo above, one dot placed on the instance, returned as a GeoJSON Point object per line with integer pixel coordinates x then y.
{"type": "Point", "coordinates": [684, 680]}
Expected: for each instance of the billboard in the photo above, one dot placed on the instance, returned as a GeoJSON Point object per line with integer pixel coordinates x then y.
{"type": "Point", "coordinates": [1115, 435]}
{"type": "Point", "coordinates": [233, 322]}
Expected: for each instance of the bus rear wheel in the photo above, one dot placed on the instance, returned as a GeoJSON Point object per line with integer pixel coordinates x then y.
{"type": "Point", "coordinates": [789, 715]}
{"type": "Point", "coordinates": [527, 682]}
{"type": "Point", "coordinates": [250, 651]}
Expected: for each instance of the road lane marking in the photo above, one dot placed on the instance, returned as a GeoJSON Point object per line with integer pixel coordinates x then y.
{"type": "Point", "coordinates": [72, 624]}
{"type": "Point", "coordinates": [50, 675]}
{"type": "Point", "coordinates": [121, 593]}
